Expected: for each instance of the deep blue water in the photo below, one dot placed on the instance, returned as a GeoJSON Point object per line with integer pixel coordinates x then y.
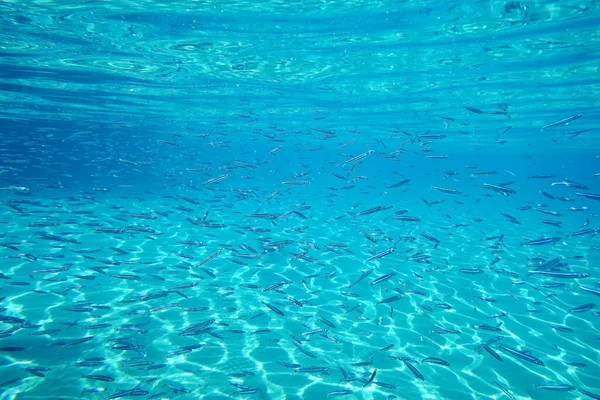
{"type": "Point", "coordinates": [192, 191]}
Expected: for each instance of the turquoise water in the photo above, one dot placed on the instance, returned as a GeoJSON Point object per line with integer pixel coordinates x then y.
{"type": "Point", "coordinates": [299, 200]}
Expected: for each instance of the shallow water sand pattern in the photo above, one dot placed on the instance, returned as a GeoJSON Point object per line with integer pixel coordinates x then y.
{"type": "Point", "coordinates": [141, 287]}
{"type": "Point", "coordinates": [299, 200]}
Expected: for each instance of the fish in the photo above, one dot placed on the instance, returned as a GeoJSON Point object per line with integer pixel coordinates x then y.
{"type": "Point", "coordinates": [398, 184]}
{"type": "Point", "coordinates": [564, 275]}
{"type": "Point", "coordinates": [102, 378]}
{"type": "Point", "coordinates": [339, 393]}
{"type": "Point", "coordinates": [435, 360]}
{"type": "Point", "coordinates": [500, 189]}
{"type": "Point", "coordinates": [382, 254]}
{"type": "Point", "coordinates": [371, 377]}
{"type": "Point", "coordinates": [582, 308]}
{"type": "Point", "coordinates": [126, 393]}
{"type": "Point", "coordinates": [359, 157]}
{"type": "Point", "coordinates": [524, 356]}
{"type": "Point", "coordinates": [361, 277]}
{"type": "Point", "coordinates": [312, 370]}
{"type": "Point", "coordinates": [563, 121]}
{"type": "Point", "coordinates": [590, 290]}
{"type": "Point", "coordinates": [414, 370]}
{"type": "Point", "coordinates": [549, 264]}
{"type": "Point", "coordinates": [491, 351]}
{"type": "Point", "coordinates": [589, 196]}
{"type": "Point", "coordinates": [561, 328]}
{"type": "Point", "coordinates": [445, 190]}
{"type": "Point", "coordinates": [511, 218]}
{"type": "Point", "coordinates": [369, 237]}
{"type": "Point", "coordinates": [506, 391]}
{"type": "Point", "coordinates": [77, 341]}
{"type": "Point", "coordinates": [590, 394]}
{"type": "Point", "coordinates": [217, 179]}
{"type": "Point", "coordinates": [11, 348]}
{"type": "Point", "coordinates": [383, 278]}
{"type": "Point", "coordinates": [473, 110]}
{"type": "Point", "coordinates": [274, 309]}
{"type": "Point", "coordinates": [391, 299]}
{"type": "Point", "coordinates": [541, 241]}
{"type": "Point", "coordinates": [542, 176]}
{"type": "Point", "coordinates": [556, 388]}
{"type": "Point", "coordinates": [289, 365]}
{"type": "Point", "coordinates": [571, 184]}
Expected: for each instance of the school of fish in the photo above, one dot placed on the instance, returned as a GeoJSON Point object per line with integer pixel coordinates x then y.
{"type": "Point", "coordinates": [282, 271]}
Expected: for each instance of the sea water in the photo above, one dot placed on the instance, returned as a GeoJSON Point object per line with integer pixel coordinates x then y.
{"type": "Point", "coordinates": [299, 200]}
